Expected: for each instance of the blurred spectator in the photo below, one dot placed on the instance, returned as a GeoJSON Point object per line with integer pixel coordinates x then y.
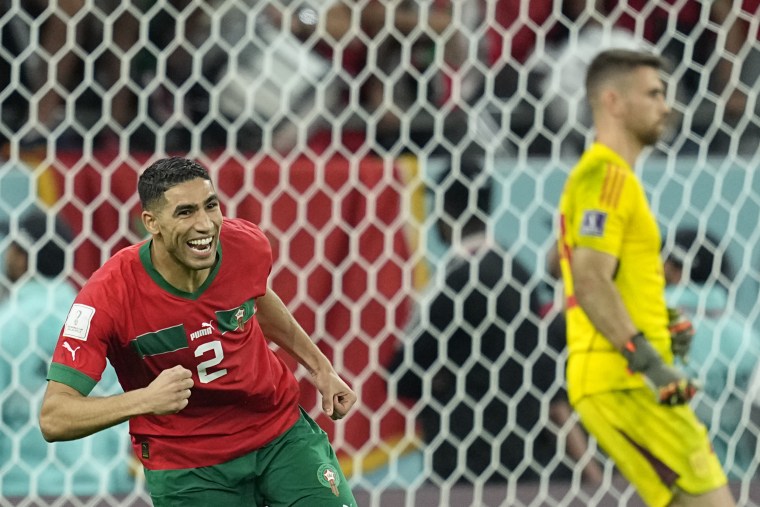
{"type": "Point", "coordinates": [56, 63]}
{"type": "Point", "coordinates": [416, 100]}
{"type": "Point", "coordinates": [66, 34]}
{"type": "Point", "coordinates": [676, 27]}
{"type": "Point", "coordinates": [514, 27]}
{"type": "Point", "coordinates": [250, 73]}
{"type": "Point", "coordinates": [527, 36]}
{"type": "Point", "coordinates": [703, 40]}
{"type": "Point", "coordinates": [399, 42]}
{"type": "Point", "coordinates": [561, 70]}
{"type": "Point", "coordinates": [737, 73]}
{"type": "Point", "coordinates": [31, 317]}
{"type": "Point", "coordinates": [724, 351]}
{"type": "Point", "coordinates": [473, 357]}
{"type": "Point", "coordinates": [738, 69]}
{"type": "Point", "coordinates": [496, 85]}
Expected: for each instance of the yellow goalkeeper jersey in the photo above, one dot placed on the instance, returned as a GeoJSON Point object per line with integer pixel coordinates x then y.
{"type": "Point", "coordinates": [604, 207]}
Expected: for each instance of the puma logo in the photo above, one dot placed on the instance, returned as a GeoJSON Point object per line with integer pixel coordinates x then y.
{"type": "Point", "coordinates": [73, 351]}
{"type": "Point", "coordinates": [206, 329]}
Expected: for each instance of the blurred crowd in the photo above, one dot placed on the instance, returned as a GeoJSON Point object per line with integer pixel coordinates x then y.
{"type": "Point", "coordinates": [384, 77]}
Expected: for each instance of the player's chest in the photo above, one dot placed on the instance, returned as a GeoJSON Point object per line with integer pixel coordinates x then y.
{"type": "Point", "coordinates": [642, 234]}
{"type": "Point", "coordinates": [165, 324]}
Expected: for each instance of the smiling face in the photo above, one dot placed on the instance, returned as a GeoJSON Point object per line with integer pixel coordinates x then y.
{"type": "Point", "coordinates": [185, 226]}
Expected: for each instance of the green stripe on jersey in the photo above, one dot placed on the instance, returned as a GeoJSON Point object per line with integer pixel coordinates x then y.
{"type": "Point", "coordinates": [71, 377]}
{"type": "Point", "coordinates": [160, 342]}
{"type": "Point", "coordinates": [232, 320]}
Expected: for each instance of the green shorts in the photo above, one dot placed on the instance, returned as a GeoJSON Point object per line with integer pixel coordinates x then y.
{"type": "Point", "coordinates": [298, 468]}
{"type": "Point", "coordinates": [660, 449]}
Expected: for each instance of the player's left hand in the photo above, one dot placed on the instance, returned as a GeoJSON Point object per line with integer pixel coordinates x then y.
{"type": "Point", "coordinates": [337, 397]}
{"type": "Point", "coordinates": [678, 393]}
{"type": "Point", "coordinates": [681, 333]}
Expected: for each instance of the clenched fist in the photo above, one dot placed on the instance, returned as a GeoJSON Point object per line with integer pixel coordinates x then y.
{"type": "Point", "coordinates": [337, 397]}
{"type": "Point", "coordinates": [170, 391]}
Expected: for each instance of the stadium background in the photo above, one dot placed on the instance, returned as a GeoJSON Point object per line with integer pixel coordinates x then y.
{"type": "Point", "coordinates": [333, 139]}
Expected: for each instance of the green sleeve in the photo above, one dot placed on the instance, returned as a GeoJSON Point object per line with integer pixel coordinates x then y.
{"type": "Point", "coordinates": [71, 377]}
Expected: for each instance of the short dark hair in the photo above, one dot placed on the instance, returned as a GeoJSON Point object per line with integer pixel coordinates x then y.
{"type": "Point", "coordinates": [164, 174]}
{"type": "Point", "coordinates": [614, 62]}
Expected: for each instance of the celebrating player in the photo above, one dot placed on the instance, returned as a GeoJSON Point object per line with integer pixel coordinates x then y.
{"type": "Point", "coordinates": [183, 317]}
{"type": "Point", "coordinates": [618, 338]}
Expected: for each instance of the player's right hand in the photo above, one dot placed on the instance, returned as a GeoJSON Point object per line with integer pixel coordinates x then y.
{"type": "Point", "coordinates": [670, 385]}
{"type": "Point", "coordinates": [170, 391]}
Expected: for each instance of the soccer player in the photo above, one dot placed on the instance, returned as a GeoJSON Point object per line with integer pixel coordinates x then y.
{"type": "Point", "coordinates": [619, 344]}
{"type": "Point", "coordinates": [183, 317]}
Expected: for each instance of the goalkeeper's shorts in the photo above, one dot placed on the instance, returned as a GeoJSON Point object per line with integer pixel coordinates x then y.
{"type": "Point", "coordinates": [659, 448]}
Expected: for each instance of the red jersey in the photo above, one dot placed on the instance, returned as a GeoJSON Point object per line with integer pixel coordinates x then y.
{"type": "Point", "coordinates": [244, 396]}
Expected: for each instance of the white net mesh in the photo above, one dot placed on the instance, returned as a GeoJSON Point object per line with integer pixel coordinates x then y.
{"type": "Point", "coordinates": [334, 124]}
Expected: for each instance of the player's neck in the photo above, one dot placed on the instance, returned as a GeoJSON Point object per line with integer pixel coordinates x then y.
{"type": "Point", "coordinates": [176, 274]}
{"type": "Point", "coordinates": [624, 144]}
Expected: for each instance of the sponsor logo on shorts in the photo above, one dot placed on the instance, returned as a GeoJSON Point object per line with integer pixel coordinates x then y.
{"type": "Point", "coordinates": [329, 477]}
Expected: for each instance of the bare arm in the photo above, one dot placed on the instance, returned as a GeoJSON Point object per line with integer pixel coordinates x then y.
{"type": "Point", "coordinates": [593, 273]}
{"type": "Point", "coordinates": [279, 326]}
{"type": "Point", "coordinates": [67, 414]}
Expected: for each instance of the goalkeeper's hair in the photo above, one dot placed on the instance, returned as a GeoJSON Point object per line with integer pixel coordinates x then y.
{"type": "Point", "coordinates": [614, 63]}
{"type": "Point", "coordinates": [165, 174]}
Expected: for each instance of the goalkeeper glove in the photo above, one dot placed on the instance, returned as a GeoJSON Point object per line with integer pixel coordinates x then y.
{"type": "Point", "coordinates": [681, 333]}
{"type": "Point", "coordinates": [670, 385]}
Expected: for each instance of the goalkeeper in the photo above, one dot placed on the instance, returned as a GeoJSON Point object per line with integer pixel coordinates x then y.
{"type": "Point", "coordinates": [620, 372]}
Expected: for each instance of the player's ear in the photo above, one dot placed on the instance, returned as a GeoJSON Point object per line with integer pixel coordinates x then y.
{"type": "Point", "coordinates": [610, 98]}
{"type": "Point", "coordinates": [149, 221]}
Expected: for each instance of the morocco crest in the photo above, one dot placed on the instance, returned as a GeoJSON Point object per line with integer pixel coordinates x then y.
{"type": "Point", "coordinates": [329, 477]}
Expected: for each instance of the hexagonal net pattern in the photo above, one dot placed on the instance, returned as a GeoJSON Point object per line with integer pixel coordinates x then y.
{"type": "Point", "coordinates": [342, 128]}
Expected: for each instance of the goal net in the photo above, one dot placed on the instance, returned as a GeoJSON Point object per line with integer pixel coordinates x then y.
{"type": "Point", "coordinates": [342, 127]}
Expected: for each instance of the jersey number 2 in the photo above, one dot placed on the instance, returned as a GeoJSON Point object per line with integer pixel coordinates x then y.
{"type": "Point", "coordinates": [204, 375]}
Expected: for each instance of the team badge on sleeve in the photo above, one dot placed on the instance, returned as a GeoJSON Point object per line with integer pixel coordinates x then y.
{"type": "Point", "coordinates": [78, 321]}
{"type": "Point", "coordinates": [329, 477]}
{"type": "Point", "coordinates": [593, 223]}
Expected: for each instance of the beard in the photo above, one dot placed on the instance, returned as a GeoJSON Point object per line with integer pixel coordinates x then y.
{"type": "Point", "coordinates": [650, 135]}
